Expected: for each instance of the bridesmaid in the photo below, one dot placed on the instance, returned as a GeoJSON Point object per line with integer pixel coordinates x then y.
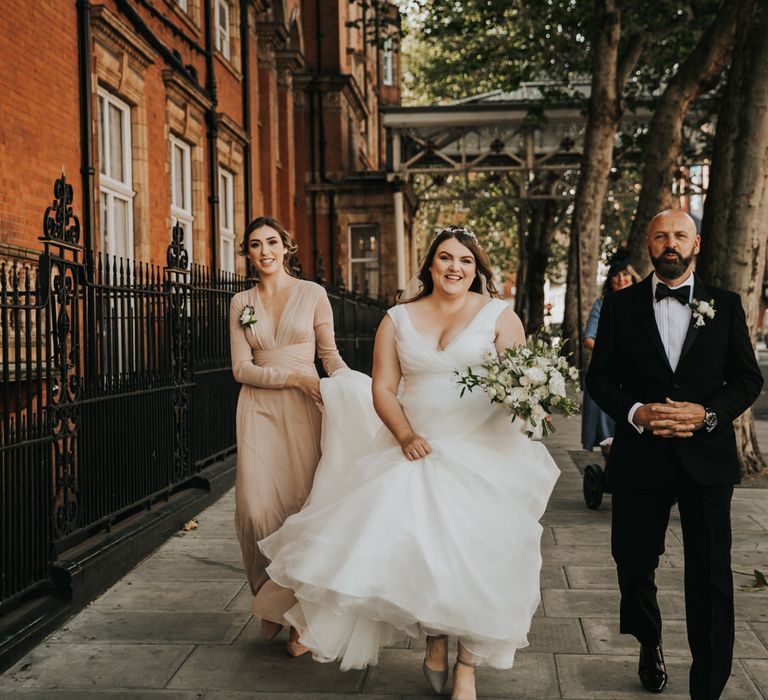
{"type": "Point", "coordinates": [275, 328]}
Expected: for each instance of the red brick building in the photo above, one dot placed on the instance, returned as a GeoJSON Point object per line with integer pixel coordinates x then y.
{"type": "Point", "coordinates": [209, 113]}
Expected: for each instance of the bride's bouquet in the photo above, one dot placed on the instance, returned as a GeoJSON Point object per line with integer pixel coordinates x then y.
{"type": "Point", "coordinates": [530, 381]}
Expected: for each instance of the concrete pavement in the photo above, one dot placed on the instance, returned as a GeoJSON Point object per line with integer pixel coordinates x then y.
{"type": "Point", "coordinates": [178, 627]}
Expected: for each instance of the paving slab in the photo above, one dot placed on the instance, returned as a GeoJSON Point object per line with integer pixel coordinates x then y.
{"type": "Point", "coordinates": [604, 577]}
{"type": "Point", "coordinates": [100, 694]}
{"type": "Point", "coordinates": [758, 672]}
{"type": "Point", "coordinates": [603, 637]}
{"type": "Point", "coordinates": [559, 635]}
{"type": "Point", "coordinates": [597, 603]}
{"type": "Point", "coordinates": [189, 596]}
{"type": "Point", "coordinates": [192, 568]}
{"type": "Point", "coordinates": [208, 547]}
{"type": "Point", "coordinates": [95, 625]}
{"type": "Point", "coordinates": [261, 667]}
{"type": "Point", "coordinates": [533, 676]}
{"type": "Point", "coordinates": [97, 665]}
{"type": "Point", "coordinates": [615, 678]}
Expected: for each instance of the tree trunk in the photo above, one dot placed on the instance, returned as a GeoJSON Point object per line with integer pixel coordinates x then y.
{"type": "Point", "coordinates": [736, 209]}
{"type": "Point", "coordinates": [697, 73]}
{"type": "Point", "coordinates": [543, 222]}
{"type": "Point", "coordinates": [609, 75]}
{"type": "Point", "coordinates": [521, 280]}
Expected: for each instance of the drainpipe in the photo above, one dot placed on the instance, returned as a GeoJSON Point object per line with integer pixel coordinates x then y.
{"type": "Point", "coordinates": [86, 114]}
{"type": "Point", "coordinates": [212, 133]}
{"type": "Point", "coordinates": [245, 50]}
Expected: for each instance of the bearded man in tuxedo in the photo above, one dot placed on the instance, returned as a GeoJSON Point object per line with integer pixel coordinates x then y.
{"type": "Point", "coordinates": [673, 364]}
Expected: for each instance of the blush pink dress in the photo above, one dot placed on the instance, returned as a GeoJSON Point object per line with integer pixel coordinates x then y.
{"type": "Point", "coordinates": [278, 429]}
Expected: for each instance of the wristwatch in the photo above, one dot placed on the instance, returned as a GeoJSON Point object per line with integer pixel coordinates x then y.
{"type": "Point", "coordinates": [710, 419]}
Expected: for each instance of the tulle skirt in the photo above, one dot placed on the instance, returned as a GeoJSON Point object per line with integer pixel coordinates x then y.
{"type": "Point", "coordinates": [449, 544]}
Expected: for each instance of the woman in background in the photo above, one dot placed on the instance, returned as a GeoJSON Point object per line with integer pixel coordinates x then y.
{"type": "Point", "coordinates": [597, 426]}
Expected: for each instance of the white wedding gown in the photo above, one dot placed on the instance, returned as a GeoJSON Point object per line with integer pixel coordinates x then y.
{"type": "Point", "coordinates": [447, 544]}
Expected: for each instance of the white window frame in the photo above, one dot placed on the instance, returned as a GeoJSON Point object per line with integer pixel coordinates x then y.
{"type": "Point", "coordinates": [388, 63]}
{"type": "Point", "coordinates": [179, 214]}
{"type": "Point", "coordinates": [226, 220]}
{"type": "Point", "coordinates": [223, 42]}
{"type": "Point", "coordinates": [376, 229]}
{"type": "Point", "coordinates": [111, 187]}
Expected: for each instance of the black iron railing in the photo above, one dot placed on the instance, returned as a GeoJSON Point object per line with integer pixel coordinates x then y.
{"type": "Point", "coordinates": [116, 388]}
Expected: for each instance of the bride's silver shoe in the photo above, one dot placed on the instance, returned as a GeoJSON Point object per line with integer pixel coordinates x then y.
{"type": "Point", "coordinates": [436, 679]}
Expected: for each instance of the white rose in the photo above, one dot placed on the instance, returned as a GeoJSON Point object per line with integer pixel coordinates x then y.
{"type": "Point", "coordinates": [542, 392]}
{"type": "Point", "coordinates": [491, 392]}
{"type": "Point", "coordinates": [539, 413]}
{"type": "Point", "coordinates": [535, 375]}
{"type": "Point", "coordinates": [524, 380]}
{"type": "Point", "coordinates": [518, 394]}
{"type": "Point", "coordinates": [557, 384]}
{"type": "Point", "coordinates": [573, 373]}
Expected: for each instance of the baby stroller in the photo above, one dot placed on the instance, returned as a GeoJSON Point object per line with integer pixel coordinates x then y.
{"type": "Point", "coordinates": [594, 483]}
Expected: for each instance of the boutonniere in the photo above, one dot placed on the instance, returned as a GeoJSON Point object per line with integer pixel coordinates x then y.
{"type": "Point", "coordinates": [248, 317]}
{"type": "Point", "coordinates": [702, 310]}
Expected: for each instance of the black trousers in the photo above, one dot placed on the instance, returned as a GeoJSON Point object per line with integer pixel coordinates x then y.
{"type": "Point", "coordinates": [639, 523]}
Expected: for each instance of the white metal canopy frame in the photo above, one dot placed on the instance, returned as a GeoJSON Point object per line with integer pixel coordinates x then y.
{"type": "Point", "coordinates": [523, 133]}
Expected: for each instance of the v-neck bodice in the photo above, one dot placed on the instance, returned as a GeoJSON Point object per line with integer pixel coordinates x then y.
{"type": "Point", "coordinates": [304, 327]}
{"type": "Point", "coordinates": [467, 348]}
{"type": "Point", "coordinates": [429, 395]}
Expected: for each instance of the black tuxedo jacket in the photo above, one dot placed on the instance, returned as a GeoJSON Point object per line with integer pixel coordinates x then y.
{"type": "Point", "coordinates": [717, 369]}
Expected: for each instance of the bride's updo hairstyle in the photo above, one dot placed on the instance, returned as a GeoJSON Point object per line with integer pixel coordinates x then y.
{"type": "Point", "coordinates": [483, 273]}
{"type": "Point", "coordinates": [285, 236]}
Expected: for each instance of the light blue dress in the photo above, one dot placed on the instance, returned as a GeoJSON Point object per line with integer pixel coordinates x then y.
{"type": "Point", "coordinates": [595, 424]}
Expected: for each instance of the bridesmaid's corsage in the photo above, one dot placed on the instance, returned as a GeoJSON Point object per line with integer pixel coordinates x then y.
{"type": "Point", "coordinates": [702, 310]}
{"type": "Point", "coordinates": [248, 317]}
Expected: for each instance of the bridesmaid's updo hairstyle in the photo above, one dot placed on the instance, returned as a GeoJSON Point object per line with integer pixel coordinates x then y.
{"type": "Point", "coordinates": [483, 272]}
{"type": "Point", "coordinates": [285, 236]}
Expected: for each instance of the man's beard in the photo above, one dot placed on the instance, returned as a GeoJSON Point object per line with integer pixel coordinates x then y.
{"type": "Point", "coordinates": [671, 269]}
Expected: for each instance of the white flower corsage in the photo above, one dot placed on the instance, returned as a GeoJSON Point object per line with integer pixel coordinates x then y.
{"type": "Point", "coordinates": [702, 310]}
{"type": "Point", "coordinates": [248, 317]}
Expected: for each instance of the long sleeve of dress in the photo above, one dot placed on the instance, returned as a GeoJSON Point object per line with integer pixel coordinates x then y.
{"type": "Point", "coordinates": [244, 369]}
{"type": "Point", "coordinates": [325, 339]}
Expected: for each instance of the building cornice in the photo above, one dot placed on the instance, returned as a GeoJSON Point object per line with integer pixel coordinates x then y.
{"type": "Point", "coordinates": [106, 23]}
{"type": "Point", "coordinates": [177, 84]}
{"type": "Point", "coordinates": [226, 123]}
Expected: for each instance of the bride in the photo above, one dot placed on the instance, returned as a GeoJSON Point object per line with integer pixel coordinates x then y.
{"type": "Point", "coordinates": [427, 524]}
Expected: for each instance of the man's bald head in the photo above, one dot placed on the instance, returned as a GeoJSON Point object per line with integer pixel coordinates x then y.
{"type": "Point", "coordinates": [673, 244]}
{"type": "Point", "coordinates": [671, 219]}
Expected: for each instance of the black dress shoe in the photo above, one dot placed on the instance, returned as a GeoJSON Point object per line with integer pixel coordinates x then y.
{"type": "Point", "coordinates": [651, 669]}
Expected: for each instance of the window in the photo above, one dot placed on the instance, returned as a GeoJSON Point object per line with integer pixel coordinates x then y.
{"type": "Point", "coordinates": [115, 181]}
{"type": "Point", "coordinates": [226, 221]}
{"type": "Point", "coordinates": [222, 28]}
{"type": "Point", "coordinates": [364, 258]}
{"type": "Point", "coordinates": [388, 69]}
{"type": "Point", "coordinates": [182, 4]}
{"type": "Point", "coordinates": [181, 190]}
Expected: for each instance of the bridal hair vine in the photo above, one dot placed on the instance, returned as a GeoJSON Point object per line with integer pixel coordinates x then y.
{"type": "Point", "coordinates": [460, 229]}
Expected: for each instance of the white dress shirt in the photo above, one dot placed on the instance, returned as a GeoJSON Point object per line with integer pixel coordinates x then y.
{"type": "Point", "coordinates": [672, 320]}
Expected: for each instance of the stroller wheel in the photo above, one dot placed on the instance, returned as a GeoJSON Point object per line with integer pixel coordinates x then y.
{"type": "Point", "coordinates": [593, 486]}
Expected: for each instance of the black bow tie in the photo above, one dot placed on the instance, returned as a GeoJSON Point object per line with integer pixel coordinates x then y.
{"type": "Point", "coordinates": [682, 294]}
